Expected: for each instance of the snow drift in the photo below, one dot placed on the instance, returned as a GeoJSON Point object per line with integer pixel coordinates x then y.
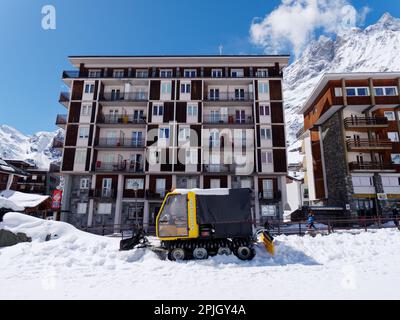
{"type": "Point", "coordinates": [77, 265]}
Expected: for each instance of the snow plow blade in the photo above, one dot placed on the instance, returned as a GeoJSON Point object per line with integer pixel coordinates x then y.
{"type": "Point", "coordinates": [268, 241]}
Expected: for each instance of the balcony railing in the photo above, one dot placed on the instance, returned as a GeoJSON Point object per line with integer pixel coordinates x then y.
{"type": "Point", "coordinates": [121, 143]}
{"type": "Point", "coordinates": [362, 144]}
{"type": "Point", "coordinates": [102, 193]}
{"type": "Point", "coordinates": [230, 96]}
{"type": "Point", "coordinates": [123, 166]}
{"type": "Point", "coordinates": [61, 119]}
{"type": "Point", "coordinates": [219, 168]}
{"type": "Point", "coordinates": [270, 195]}
{"type": "Point", "coordinates": [121, 119]}
{"type": "Point", "coordinates": [160, 194]}
{"type": "Point", "coordinates": [64, 97]}
{"type": "Point", "coordinates": [70, 74]}
{"type": "Point", "coordinates": [124, 97]}
{"type": "Point", "coordinates": [359, 122]}
{"type": "Point", "coordinates": [368, 166]}
{"type": "Point", "coordinates": [227, 119]}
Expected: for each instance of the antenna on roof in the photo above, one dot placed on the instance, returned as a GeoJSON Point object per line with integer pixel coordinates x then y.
{"type": "Point", "coordinates": [220, 48]}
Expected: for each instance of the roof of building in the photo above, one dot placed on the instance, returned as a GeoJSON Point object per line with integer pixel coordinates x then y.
{"type": "Point", "coordinates": [24, 200]}
{"type": "Point", "coordinates": [183, 60]}
{"type": "Point", "coordinates": [344, 76]}
{"type": "Point", "coordinates": [8, 168]}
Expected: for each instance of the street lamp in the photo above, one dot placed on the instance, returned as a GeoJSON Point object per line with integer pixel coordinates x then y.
{"type": "Point", "coordinates": [135, 189]}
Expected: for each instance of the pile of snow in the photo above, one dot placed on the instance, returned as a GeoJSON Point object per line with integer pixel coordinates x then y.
{"type": "Point", "coordinates": [36, 149]}
{"type": "Point", "coordinates": [77, 265]}
{"type": "Point", "coordinates": [24, 200]}
{"type": "Point", "coordinates": [8, 204]}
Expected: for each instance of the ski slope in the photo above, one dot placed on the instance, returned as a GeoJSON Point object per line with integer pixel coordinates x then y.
{"type": "Point", "coordinates": [77, 265]}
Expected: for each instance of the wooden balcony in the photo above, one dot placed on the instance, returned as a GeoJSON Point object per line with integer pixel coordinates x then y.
{"type": "Point", "coordinates": [365, 123]}
{"type": "Point", "coordinates": [366, 144]}
{"type": "Point", "coordinates": [371, 166]}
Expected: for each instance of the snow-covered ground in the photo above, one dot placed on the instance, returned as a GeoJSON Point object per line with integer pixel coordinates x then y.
{"type": "Point", "coordinates": [76, 265]}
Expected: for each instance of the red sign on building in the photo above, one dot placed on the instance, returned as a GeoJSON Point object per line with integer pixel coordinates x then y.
{"type": "Point", "coordinates": [57, 196]}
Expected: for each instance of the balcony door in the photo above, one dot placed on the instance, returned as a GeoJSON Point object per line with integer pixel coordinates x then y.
{"type": "Point", "coordinates": [137, 137]}
{"type": "Point", "coordinates": [113, 115]}
{"type": "Point", "coordinates": [239, 94]}
{"type": "Point", "coordinates": [136, 163]}
{"type": "Point", "coordinates": [240, 116]}
{"type": "Point", "coordinates": [115, 94]}
{"type": "Point", "coordinates": [106, 187]}
{"type": "Point", "coordinates": [111, 138]}
{"type": "Point", "coordinates": [138, 116]}
{"type": "Point", "coordinates": [268, 189]}
{"type": "Point", "coordinates": [214, 94]}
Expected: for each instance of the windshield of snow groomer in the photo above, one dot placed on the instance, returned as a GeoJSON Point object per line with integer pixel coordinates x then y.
{"type": "Point", "coordinates": [173, 219]}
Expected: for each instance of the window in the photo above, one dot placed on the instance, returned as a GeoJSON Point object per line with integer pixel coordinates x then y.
{"type": "Point", "coordinates": [262, 73]}
{"type": "Point", "coordinates": [80, 156]}
{"type": "Point", "coordinates": [214, 94]}
{"type": "Point", "coordinates": [94, 73]}
{"type": "Point", "coordinates": [360, 181]}
{"type": "Point", "coordinates": [215, 183]}
{"type": "Point", "coordinates": [166, 73]}
{"type": "Point", "coordinates": [268, 211]}
{"type": "Point", "coordinates": [166, 87]}
{"type": "Point", "coordinates": [160, 187]}
{"type": "Point", "coordinates": [185, 87]}
{"type": "Point", "coordinates": [263, 87]}
{"type": "Point", "coordinates": [82, 207]}
{"type": "Point", "coordinates": [86, 110]}
{"type": "Point", "coordinates": [237, 73]}
{"type": "Point", "coordinates": [268, 189]}
{"type": "Point", "coordinates": [34, 177]}
{"type": "Point", "coordinates": [264, 111]}
{"type": "Point", "coordinates": [386, 91]}
{"type": "Point", "coordinates": [390, 115]}
{"type": "Point", "coordinates": [214, 139]}
{"type": "Point", "coordinates": [396, 158]}
{"type": "Point", "coordinates": [390, 181]}
{"type": "Point", "coordinates": [266, 157]}
{"type": "Point", "coordinates": [353, 92]}
{"type": "Point", "coordinates": [89, 88]}
{"type": "Point", "coordinates": [84, 184]}
{"type": "Point", "coordinates": [184, 134]}
{"type": "Point", "coordinates": [338, 92]}
{"type": "Point", "coordinates": [119, 73]}
{"type": "Point", "coordinates": [245, 183]}
{"type": "Point", "coordinates": [393, 136]}
{"type": "Point", "coordinates": [142, 73]}
{"type": "Point", "coordinates": [216, 73]}
{"type": "Point", "coordinates": [164, 133]}
{"type": "Point", "coordinates": [84, 133]}
{"type": "Point", "coordinates": [392, 91]}
{"type": "Point", "coordinates": [104, 208]}
{"type": "Point", "coordinates": [158, 110]}
{"type": "Point", "coordinates": [265, 133]}
{"type": "Point", "coordinates": [191, 156]}
{"type": "Point", "coordinates": [192, 111]}
{"type": "Point", "coordinates": [190, 73]}
{"type": "Point", "coordinates": [130, 184]}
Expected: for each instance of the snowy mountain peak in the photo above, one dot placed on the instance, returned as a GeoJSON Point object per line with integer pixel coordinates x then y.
{"type": "Point", "coordinates": [36, 149]}
{"type": "Point", "coordinates": [373, 49]}
{"type": "Point", "coordinates": [386, 22]}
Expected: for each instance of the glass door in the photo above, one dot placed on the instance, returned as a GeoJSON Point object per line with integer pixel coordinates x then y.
{"type": "Point", "coordinates": [240, 116]}
{"type": "Point", "coordinates": [106, 187]}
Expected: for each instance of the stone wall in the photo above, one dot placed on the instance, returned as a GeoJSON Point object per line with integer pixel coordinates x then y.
{"type": "Point", "coordinates": [339, 185]}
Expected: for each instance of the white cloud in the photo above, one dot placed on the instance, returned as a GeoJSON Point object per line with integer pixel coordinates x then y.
{"type": "Point", "coordinates": [295, 22]}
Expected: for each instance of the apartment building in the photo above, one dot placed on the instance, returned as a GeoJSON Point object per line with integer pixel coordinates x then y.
{"type": "Point", "coordinates": [9, 175]}
{"type": "Point", "coordinates": [139, 126]}
{"type": "Point", "coordinates": [351, 142]}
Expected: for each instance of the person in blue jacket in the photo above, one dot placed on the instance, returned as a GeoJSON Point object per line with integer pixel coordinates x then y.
{"type": "Point", "coordinates": [311, 220]}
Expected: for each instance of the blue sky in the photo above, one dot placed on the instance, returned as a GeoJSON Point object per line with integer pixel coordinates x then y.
{"type": "Point", "coordinates": [32, 59]}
